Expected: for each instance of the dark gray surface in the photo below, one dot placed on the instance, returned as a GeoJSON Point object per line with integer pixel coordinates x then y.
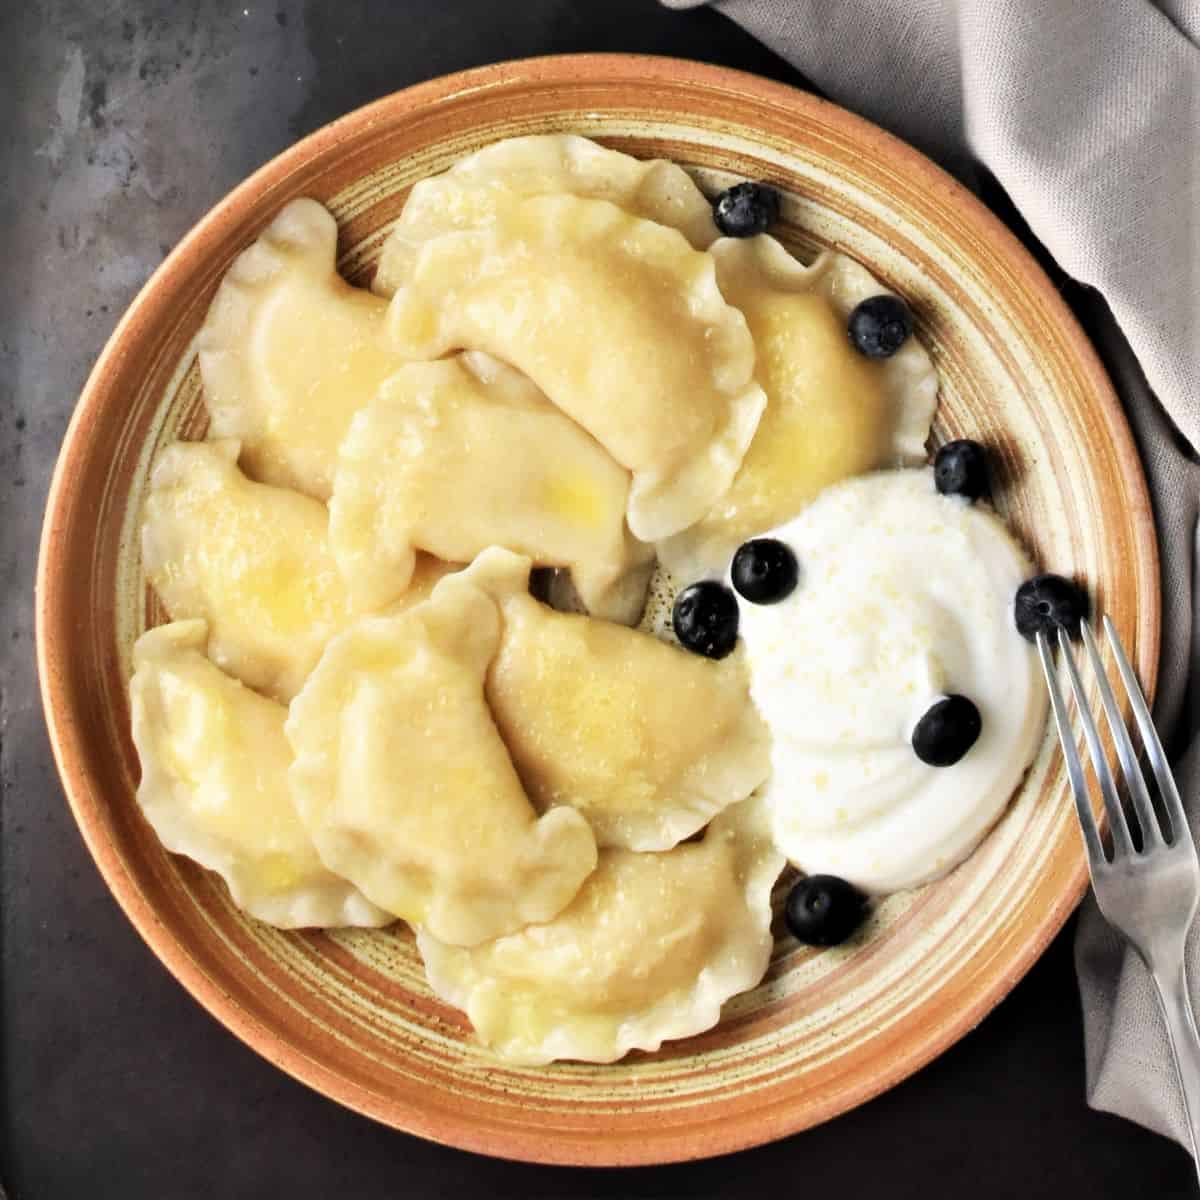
{"type": "Point", "coordinates": [123, 123]}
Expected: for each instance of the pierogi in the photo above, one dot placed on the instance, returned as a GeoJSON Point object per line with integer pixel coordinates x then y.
{"type": "Point", "coordinates": [406, 788]}
{"type": "Point", "coordinates": [610, 315]}
{"type": "Point", "coordinates": [831, 412]}
{"type": "Point", "coordinates": [471, 193]}
{"type": "Point", "coordinates": [250, 559]}
{"type": "Point", "coordinates": [290, 351]}
{"type": "Point", "coordinates": [214, 785]}
{"type": "Point", "coordinates": [650, 949]}
{"type": "Point", "coordinates": [571, 698]}
{"type": "Point", "coordinates": [457, 455]}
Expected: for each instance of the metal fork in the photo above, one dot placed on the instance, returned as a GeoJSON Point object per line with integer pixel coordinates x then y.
{"type": "Point", "coordinates": [1149, 895]}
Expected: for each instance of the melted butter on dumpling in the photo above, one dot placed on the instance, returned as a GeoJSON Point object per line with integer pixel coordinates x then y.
{"type": "Point", "coordinates": [251, 559]}
{"type": "Point", "coordinates": [831, 413]}
{"type": "Point", "coordinates": [646, 740]}
{"type": "Point", "coordinates": [214, 785]}
{"type": "Point", "coordinates": [457, 455]}
{"type": "Point", "coordinates": [619, 322]}
{"type": "Point", "coordinates": [471, 192]}
{"type": "Point", "coordinates": [648, 951]}
{"type": "Point", "coordinates": [406, 788]}
{"type": "Point", "coordinates": [289, 351]}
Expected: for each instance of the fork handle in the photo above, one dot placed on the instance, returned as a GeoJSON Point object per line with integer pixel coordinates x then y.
{"type": "Point", "coordinates": [1185, 1044]}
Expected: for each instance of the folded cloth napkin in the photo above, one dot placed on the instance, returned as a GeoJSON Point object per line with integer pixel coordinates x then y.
{"type": "Point", "coordinates": [1087, 113]}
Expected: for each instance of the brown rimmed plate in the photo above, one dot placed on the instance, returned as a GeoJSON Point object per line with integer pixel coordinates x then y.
{"type": "Point", "coordinates": [349, 1012]}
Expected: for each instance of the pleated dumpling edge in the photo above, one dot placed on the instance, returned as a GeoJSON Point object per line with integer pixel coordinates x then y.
{"type": "Point", "coordinates": [470, 193]}
{"type": "Point", "coordinates": [695, 921]}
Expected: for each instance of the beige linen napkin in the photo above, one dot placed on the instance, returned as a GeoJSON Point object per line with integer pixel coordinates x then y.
{"type": "Point", "coordinates": [1087, 112]}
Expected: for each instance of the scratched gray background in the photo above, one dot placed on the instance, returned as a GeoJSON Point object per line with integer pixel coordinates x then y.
{"type": "Point", "coordinates": [121, 123]}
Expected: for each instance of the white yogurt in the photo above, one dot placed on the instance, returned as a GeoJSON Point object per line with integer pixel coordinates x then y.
{"type": "Point", "coordinates": [904, 596]}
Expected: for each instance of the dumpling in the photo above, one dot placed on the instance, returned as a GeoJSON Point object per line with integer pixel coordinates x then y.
{"type": "Point", "coordinates": [214, 785]}
{"type": "Point", "coordinates": [289, 352]}
{"type": "Point", "coordinates": [469, 194]}
{"type": "Point", "coordinates": [619, 322]}
{"type": "Point", "coordinates": [251, 559]}
{"type": "Point", "coordinates": [831, 413]}
{"type": "Point", "coordinates": [647, 741]}
{"type": "Point", "coordinates": [649, 950]}
{"type": "Point", "coordinates": [406, 788]}
{"type": "Point", "coordinates": [451, 460]}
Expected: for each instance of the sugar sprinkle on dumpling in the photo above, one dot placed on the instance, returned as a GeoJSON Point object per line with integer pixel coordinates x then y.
{"type": "Point", "coordinates": [290, 351]}
{"type": "Point", "coordinates": [471, 192]}
{"type": "Point", "coordinates": [649, 950]}
{"type": "Point", "coordinates": [406, 787]}
{"type": "Point", "coordinates": [214, 785]}
{"type": "Point", "coordinates": [457, 455]}
{"type": "Point", "coordinates": [611, 316]}
{"type": "Point", "coordinates": [647, 741]}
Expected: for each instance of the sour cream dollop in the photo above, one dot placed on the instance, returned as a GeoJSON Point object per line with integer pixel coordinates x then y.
{"type": "Point", "coordinates": [904, 596]}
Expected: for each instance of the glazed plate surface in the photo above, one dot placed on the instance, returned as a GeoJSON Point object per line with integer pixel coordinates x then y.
{"type": "Point", "coordinates": [349, 1013]}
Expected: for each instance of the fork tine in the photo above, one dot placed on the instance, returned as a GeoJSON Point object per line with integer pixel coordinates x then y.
{"type": "Point", "coordinates": [1150, 740]}
{"type": "Point", "coordinates": [1147, 819]}
{"type": "Point", "coordinates": [1083, 803]}
{"type": "Point", "coordinates": [1122, 843]}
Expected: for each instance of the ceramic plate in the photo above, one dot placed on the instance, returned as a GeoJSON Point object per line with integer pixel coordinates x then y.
{"type": "Point", "coordinates": [349, 1012]}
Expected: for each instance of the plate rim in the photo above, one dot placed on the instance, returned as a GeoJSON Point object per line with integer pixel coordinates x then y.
{"type": "Point", "coordinates": [52, 632]}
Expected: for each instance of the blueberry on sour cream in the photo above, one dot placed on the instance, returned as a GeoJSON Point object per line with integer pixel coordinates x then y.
{"type": "Point", "coordinates": [824, 910]}
{"type": "Point", "coordinates": [880, 325]}
{"type": "Point", "coordinates": [949, 728]}
{"type": "Point", "coordinates": [764, 571]}
{"type": "Point", "coordinates": [746, 209]}
{"type": "Point", "coordinates": [705, 619]}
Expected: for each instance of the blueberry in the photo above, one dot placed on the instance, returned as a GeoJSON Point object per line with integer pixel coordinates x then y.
{"type": "Point", "coordinates": [746, 209]}
{"type": "Point", "coordinates": [947, 731]}
{"type": "Point", "coordinates": [880, 325]}
{"type": "Point", "coordinates": [706, 619]}
{"type": "Point", "coordinates": [960, 469]}
{"type": "Point", "coordinates": [824, 910]}
{"type": "Point", "coordinates": [1047, 603]}
{"type": "Point", "coordinates": [765, 571]}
